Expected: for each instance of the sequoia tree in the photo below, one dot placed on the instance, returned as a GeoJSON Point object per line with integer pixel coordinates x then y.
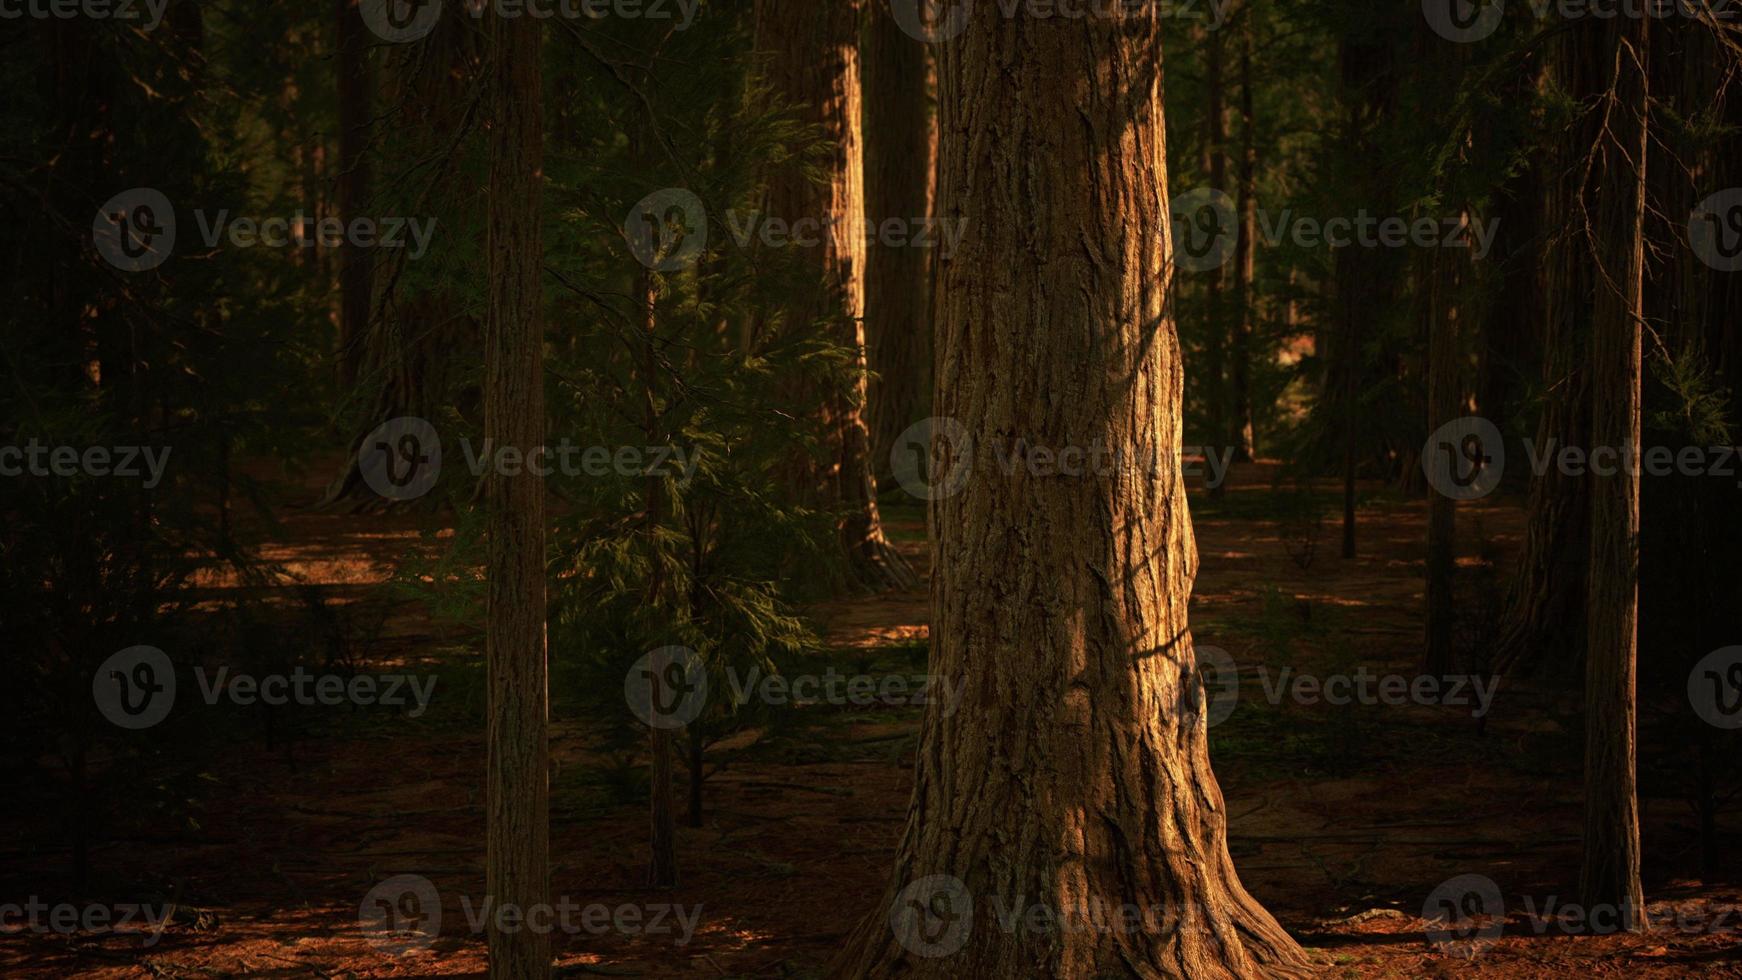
{"type": "Point", "coordinates": [1615, 241]}
{"type": "Point", "coordinates": [1064, 773]}
{"type": "Point", "coordinates": [811, 57]}
{"type": "Point", "coordinates": [897, 130]}
{"type": "Point", "coordinates": [517, 831]}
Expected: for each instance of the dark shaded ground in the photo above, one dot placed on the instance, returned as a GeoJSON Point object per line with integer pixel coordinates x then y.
{"type": "Point", "coordinates": [1343, 819]}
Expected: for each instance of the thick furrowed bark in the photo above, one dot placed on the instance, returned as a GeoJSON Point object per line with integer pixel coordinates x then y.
{"type": "Point", "coordinates": [1064, 773]}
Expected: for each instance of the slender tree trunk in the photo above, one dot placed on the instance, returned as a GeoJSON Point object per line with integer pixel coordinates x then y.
{"type": "Point", "coordinates": [518, 791]}
{"type": "Point", "coordinates": [356, 102]}
{"type": "Point", "coordinates": [897, 131]}
{"type": "Point", "coordinates": [1245, 256]}
{"type": "Point", "coordinates": [662, 871]}
{"type": "Point", "coordinates": [812, 58]}
{"type": "Point", "coordinates": [1065, 775]}
{"type": "Point", "coordinates": [1445, 393]}
{"type": "Point", "coordinates": [1216, 286]}
{"type": "Point", "coordinates": [1610, 875]}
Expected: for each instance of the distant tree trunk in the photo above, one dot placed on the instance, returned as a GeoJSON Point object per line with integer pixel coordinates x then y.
{"type": "Point", "coordinates": [897, 131]}
{"type": "Point", "coordinates": [663, 869]}
{"type": "Point", "coordinates": [1066, 773]}
{"type": "Point", "coordinates": [1544, 619]}
{"type": "Point", "coordinates": [1362, 276]}
{"type": "Point", "coordinates": [1245, 255]}
{"type": "Point", "coordinates": [1610, 876]}
{"type": "Point", "coordinates": [1445, 393]}
{"type": "Point", "coordinates": [356, 105]}
{"type": "Point", "coordinates": [1216, 286]}
{"type": "Point", "coordinates": [518, 791]}
{"type": "Point", "coordinates": [419, 338]}
{"type": "Point", "coordinates": [812, 61]}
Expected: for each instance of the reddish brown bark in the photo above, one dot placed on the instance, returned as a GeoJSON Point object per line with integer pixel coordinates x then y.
{"type": "Point", "coordinates": [1064, 774]}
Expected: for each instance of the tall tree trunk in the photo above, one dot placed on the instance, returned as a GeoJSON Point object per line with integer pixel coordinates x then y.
{"type": "Point", "coordinates": [1610, 876]}
{"type": "Point", "coordinates": [1445, 393]}
{"type": "Point", "coordinates": [1544, 616]}
{"type": "Point", "coordinates": [1216, 287]}
{"type": "Point", "coordinates": [356, 105]}
{"type": "Point", "coordinates": [1245, 256]}
{"type": "Point", "coordinates": [418, 338]}
{"type": "Point", "coordinates": [1065, 774]}
{"type": "Point", "coordinates": [662, 872]}
{"type": "Point", "coordinates": [897, 131]}
{"type": "Point", "coordinates": [518, 791]}
{"type": "Point", "coordinates": [1363, 276]}
{"type": "Point", "coordinates": [811, 53]}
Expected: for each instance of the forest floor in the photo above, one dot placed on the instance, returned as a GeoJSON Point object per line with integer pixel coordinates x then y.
{"type": "Point", "coordinates": [1343, 819]}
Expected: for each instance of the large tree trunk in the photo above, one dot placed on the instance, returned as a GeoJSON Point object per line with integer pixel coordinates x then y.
{"type": "Point", "coordinates": [356, 107]}
{"type": "Point", "coordinates": [518, 790]}
{"type": "Point", "coordinates": [1610, 876]}
{"type": "Point", "coordinates": [811, 53]}
{"type": "Point", "coordinates": [897, 131]}
{"type": "Point", "coordinates": [1065, 773]}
